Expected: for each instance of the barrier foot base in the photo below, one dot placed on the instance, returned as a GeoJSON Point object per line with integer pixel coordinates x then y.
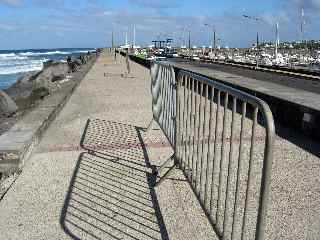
{"type": "Point", "coordinates": [161, 168]}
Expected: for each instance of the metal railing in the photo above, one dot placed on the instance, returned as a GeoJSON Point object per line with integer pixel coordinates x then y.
{"type": "Point", "coordinates": [223, 141]}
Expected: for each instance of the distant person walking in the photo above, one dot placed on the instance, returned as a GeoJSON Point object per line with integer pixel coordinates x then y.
{"type": "Point", "coordinates": [127, 63]}
{"type": "Point", "coordinates": [88, 56]}
{"type": "Point", "coordinates": [68, 59]}
{"type": "Point", "coordinates": [82, 59]}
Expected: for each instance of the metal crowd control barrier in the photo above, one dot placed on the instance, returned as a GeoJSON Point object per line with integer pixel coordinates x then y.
{"type": "Point", "coordinates": [216, 132]}
{"type": "Point", "coordinates": [163, 89]}
{"type": "Point", "coordinates": [164, 97]}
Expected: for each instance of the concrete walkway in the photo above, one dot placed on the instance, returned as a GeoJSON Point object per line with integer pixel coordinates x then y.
{"type": "Point", "coordinates": [89, 177]}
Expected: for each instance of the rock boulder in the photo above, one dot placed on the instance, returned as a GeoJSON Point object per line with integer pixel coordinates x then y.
{"type": "Point", "coordinates": [50, 76]}
{"type": "Point", "coordinates": [7, 105]}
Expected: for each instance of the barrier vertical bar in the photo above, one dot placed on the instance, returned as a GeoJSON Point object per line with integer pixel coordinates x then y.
{"type": "Point", "coordinates": [209, 146]}
{"type": "Point", "coordinates": [191, 137]}
{"type": "Point", "coordinates": [227, 202]}
{"type": "Point", "coordinates": [187, 125]}
{"type": "Point", "coordinates": [183, 122]}
{"type": "Point", "coordinates": [199, 132]}
{"type": "Point", "coordinates": [236, 203]}
{"type": "Point", "coordinates": [222, 154]}
{"type": "Point", "coordinates": [266, 173]}
{"type": "Point", "coordinates": [194, 131]}
{"type": "Point", "coordinates": [178, 124]}
{"type": "Point", "coordinates": [249, 174]}
{"type": "Point", "coordinates": [215, 150]}
{"type": "Point", "coordinates": [203, 136]}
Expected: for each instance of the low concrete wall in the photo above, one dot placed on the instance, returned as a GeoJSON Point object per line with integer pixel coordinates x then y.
{"type": "Point", "coordinates": [142, 62]}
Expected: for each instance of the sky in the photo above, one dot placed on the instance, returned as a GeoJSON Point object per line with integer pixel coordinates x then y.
{"type": "Point", "coordinates": [38, 24]}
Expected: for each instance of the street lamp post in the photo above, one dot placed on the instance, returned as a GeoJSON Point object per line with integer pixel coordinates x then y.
{"type": "Point", "coordinates": [115, 32]}
{"type": "Point", "coordinates": [258, 51]}
{"type": "Point", "coordinates": [113, 36]}
{"type": "Point", "coordinates": [189, 44]}
{"type": "Point", "coordinates": [189, 40]}
{"type": "Point", "coordinates": [112, 39]}
{"type": "Point", "coordinates": [257, 55]}
{"type": "Point", "coordinates": [214, 39]}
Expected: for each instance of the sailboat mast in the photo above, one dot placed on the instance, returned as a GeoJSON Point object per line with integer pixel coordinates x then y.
{"type": "Point", "coordinates": [134, 35]}
{"type": "Point", "coordinates": [302, 23]}
{"type": "Point", "coordinates": [126, 38]}
{"type": "Point", "coordinates": [277, 39]}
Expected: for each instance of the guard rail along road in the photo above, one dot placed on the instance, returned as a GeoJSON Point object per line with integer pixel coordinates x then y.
{"type": "Point", "coordinates": [223, 142]}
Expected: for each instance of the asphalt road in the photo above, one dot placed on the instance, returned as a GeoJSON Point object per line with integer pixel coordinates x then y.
{"type": "Point", "coordinates": [290, 81]}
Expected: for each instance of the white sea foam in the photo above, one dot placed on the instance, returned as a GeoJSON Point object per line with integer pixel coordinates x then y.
{"type": "Point", "coordinates": [83, 51]}
{"type": "Point", "coordinates": [30, 54]}
{"type": "Point", "coordinates": [16, 62]}
{"type": "Point", "coordinates": [11, 56]}
{"type": "Point", "coordinates": [21, 67]}
{"type": "Point", "coordinates": [27, 54]}
{"type": "Point", "coordinates": [26, 61]}
{"type": "Point", "coordinates": [7, 55]}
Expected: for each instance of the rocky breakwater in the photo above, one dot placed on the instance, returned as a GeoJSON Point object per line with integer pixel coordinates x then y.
{"type": "Point", "coordinates": [29, 105]}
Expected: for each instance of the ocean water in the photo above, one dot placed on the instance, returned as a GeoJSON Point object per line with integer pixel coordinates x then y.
{"type": "Point", "coordinates": [14, 63]}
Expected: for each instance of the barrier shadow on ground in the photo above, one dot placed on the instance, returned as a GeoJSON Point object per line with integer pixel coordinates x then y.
{"type": "Point", "coordinates": [111, 193]}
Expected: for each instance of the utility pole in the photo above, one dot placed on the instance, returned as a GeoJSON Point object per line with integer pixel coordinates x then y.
{"type": "Point", "coordinates": [214, 40]}
{"type": "Point", "coordinates": [257, 55]}
{"type": "Point", "coordinates": [112, 40]}
{"type": "Point", "coordinates": [302, 31]}
{"type": "Point", "coordinates": [277, 39]}
{"type": "Point", "coordinates": [126, 38]}
{"type": "Point", "coordinates": [184, 36]}
{"type": "Point", "coordinates": [155, 43]}
{"type": "Point", "coordinates": [214, 44]}
{"type": "Point", "coordinates": [302, 25]}
{"type": "Point", "coordinates": [134, 35]}
{"type": "Point", "coordinates": [189, 35]}
{"type": "Point", "coordinates": [114, 34]}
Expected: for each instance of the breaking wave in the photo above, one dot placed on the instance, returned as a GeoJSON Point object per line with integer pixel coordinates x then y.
{"type": "Point", "coordinates": [30, 54]}
{"type": "Point", "coordinates": [21, 67]}
{"type": "Point", "coordinates": [11, 56]}
{"type": "Point", "coordinates": [17, 62]}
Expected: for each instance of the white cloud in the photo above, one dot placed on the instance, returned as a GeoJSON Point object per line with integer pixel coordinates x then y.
{"type": "Point", "coordinates": [154, 18]}
{"type": "Point", "coordinates": [6, 27]}
{"type": "Point", "coordinates": [157, 4]}
{"type": "Point", "coordinates": [15, 3]}
{"type": "Point", "coordinates": [313, 5]}
{"type": "Point", "coordinates": [272, 18]}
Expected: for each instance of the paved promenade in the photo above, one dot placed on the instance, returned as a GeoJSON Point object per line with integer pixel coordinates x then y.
{"type": "Point", "coordinates": [89, 177]}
